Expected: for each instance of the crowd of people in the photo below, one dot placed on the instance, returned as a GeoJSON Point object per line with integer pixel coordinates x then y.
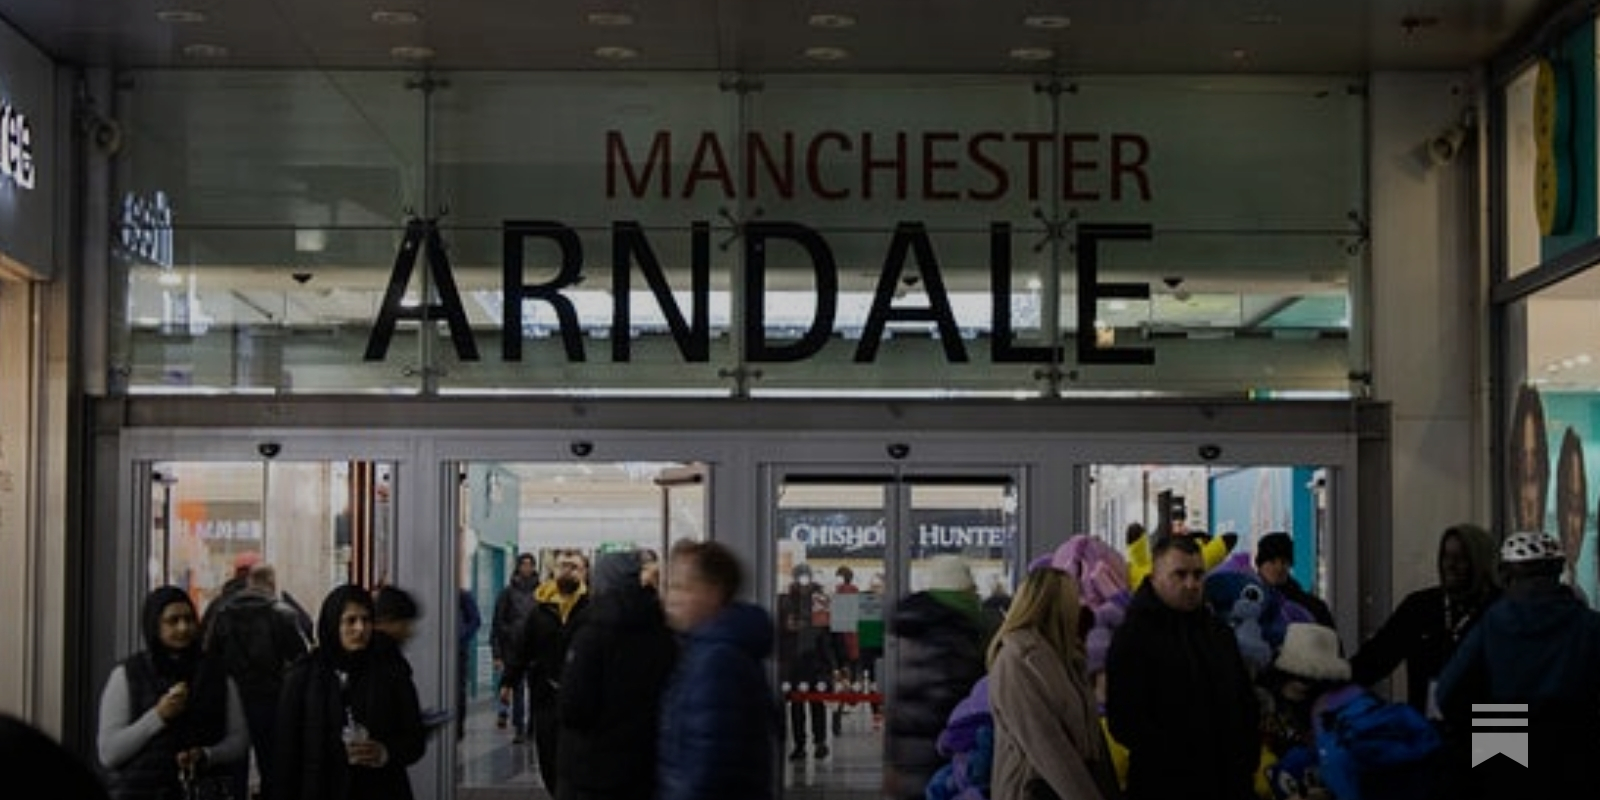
{"type": "Point", "coordinates": [1097, 680]}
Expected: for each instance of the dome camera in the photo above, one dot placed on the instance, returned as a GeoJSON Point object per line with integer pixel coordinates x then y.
{"type": "Point", "coordinates": [1210, 452]}
{"type": "Point", "coordinates": [582, 449]}
{"type": "Point", "coordinates": [269, 449]}
{"type": "Point", "coordinates": [898, 450]}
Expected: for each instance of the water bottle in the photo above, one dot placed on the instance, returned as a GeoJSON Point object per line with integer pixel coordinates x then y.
{"type": "Point", "coordinates": [353, 732]}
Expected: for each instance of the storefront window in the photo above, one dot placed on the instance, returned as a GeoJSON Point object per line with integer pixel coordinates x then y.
{"type": "Point", "coordinates": [1553, 428]}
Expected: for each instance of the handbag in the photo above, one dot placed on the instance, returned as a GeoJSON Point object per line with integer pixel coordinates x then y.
{"type": "Point", "coordinates": [206, 785]}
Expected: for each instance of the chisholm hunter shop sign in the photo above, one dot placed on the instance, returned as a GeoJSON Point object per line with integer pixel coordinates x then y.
{"type": "Point", "coordinates": [792, 169]}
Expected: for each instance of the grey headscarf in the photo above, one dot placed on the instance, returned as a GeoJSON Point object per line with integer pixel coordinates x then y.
{"type": "Point", "coordinates": [615, 570]}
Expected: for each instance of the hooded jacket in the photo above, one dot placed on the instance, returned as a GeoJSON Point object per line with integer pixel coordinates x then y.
{"type": "Point", "coordinates": [719, 719]}
{"type": "Point", "coordinates": [1540, 647]}
{"type": "Point", "coordinates": [941, 657]}
{"type": "Point", "coordinates": [1426, 627]}
{"type": "Point", "coordinates": [617, 667]}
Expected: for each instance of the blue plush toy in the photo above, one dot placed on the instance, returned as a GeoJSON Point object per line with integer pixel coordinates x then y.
{"type": "Point", "coordinates": [1248, 606]}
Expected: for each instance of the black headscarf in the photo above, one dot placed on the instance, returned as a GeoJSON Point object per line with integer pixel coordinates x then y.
{"type": "Point", "coordinates": [329, 647]}
{"type": "Point", "coordinates": [206, 720]}
{"type": "Point", "coordinates": [173, 665]}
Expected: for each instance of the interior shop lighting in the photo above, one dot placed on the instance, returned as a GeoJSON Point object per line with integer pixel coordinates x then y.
{"type": "Point", "coordinates": [831, 21]}
{"type": "Point", "coordinates": [1032, 54]}
{"type": "Point", "coordinates": [399, 17]}
{"type": "Point", "coordinates": [180, 16]}
{"type": "Point", "coordinates": [1047, 22]}
{"type": "Point", "coordinates": [609, 19]}
{"type": "Point", "coordinates": [825, 53]}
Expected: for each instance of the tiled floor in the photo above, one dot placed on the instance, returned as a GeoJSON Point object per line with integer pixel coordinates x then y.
{"type": "Point", "coordinates": [492, 768]}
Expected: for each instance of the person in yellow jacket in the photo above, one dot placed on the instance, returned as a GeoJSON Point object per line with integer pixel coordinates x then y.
{"type": "Point", "coordinates": [559, 603]}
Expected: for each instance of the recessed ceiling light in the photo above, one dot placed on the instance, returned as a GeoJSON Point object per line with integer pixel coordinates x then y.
{"type": "Point", "coordinates": [203, 50]}
{"type": "Point", "coordinates": [615, 52]}
{"type": "Point", "coordinates": [1032, 53]}
{"type": "Point", "coordinates": [827, 53]}
{"type": "Point", "coordinates": [382, 17]}
{"type": "Point", "coordinates": [609, 19]}
{"type": "Point", "coordinates": [180, 16]}
{"type": "Point", "coordinates": [1049, 22]}
{"type": "Point", "coordinates": [831, 21]}
{"type": "Point", "coordinates": [412, 52]}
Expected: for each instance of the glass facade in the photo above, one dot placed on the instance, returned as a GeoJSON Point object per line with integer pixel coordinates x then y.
{"type": "Point", "coordinates": [637, 234]}
{"type": "Point", "coordinates": [1548, 371]}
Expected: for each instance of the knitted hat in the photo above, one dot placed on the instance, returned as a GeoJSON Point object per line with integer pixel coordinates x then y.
{"type": "Point", "coordinates": [1274, 546]}
{"type": "Point", "coordinates": [1312, 651]}
{"type": "Point", "coordinates": [950, 572]}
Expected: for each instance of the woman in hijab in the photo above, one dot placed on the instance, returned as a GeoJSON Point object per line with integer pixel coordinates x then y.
{"type": "Point", "coordinates": [349, 721]}
{"type": "Point", "coordinates": [168, 715]}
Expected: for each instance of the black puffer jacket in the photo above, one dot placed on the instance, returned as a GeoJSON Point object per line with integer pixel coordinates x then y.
{"type": "Point", "coordinates": [939, 636]}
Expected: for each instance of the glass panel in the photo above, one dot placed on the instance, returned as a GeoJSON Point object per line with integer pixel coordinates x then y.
{"type": "Point", "coordinates": [244, 310]}
{"type": "Point", "coordinates": [236, 239]}
{"type": "Point", "coordinates": [1240, 502]}
{"type": "Point", "coordinates": [320, 523]}
{"type": "Point", "coordinates": [716, 201]}
{"type": "Point", "coordinates": [843, 568]}
{"type": "Point", "coordinates": [1553, 421]}
{"type": "Point", "coordinates": [559, 512]}
{"type": "Point", "coordinates": [831, 634]}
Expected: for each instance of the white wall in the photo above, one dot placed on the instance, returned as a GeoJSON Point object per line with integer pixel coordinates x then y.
{"type": "Point", "coordinates": [1428, 317]}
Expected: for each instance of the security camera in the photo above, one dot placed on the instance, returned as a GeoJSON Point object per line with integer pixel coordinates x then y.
{"type": "Point", "coordinates": [1210, 452]}
{"type": "Point", "coordinates": [106, 135]}
{"type": "Point", "coordinates": [1445, 146]}
{"type": "Point", "coordinates": [582, 449]}
{"type": "Point", "coordinates": [898, 450]}
{"type": "Point", "coordinates": [302, 278]}
{"type": "Point", "coordinates": [269, 449]}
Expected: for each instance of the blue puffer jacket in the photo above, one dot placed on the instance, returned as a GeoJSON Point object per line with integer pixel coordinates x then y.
{"type": "Point", "coordinates": [719, 718]}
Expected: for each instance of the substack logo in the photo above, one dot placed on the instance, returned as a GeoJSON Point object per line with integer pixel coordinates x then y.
{"type": "Point", "coordinates": [1496, 732]}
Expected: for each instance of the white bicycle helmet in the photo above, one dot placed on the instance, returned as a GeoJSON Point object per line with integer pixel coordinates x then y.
{"type": "Point", "coordinates": [1525, 546]}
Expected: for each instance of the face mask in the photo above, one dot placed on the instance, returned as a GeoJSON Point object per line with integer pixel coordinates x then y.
{"type": "Point", "coordinates": [803, 580]}
{"type": "Point", "coordinates": [567, 585]}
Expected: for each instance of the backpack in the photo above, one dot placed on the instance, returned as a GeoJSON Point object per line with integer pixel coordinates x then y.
{"type": "Point", "coordinates": [1369, 748]}
{"type": "Point", "coordinates": [251, 638]}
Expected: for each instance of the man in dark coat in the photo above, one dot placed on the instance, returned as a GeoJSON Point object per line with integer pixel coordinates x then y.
{"type": "Point", "coordinates": [560, 604]}
{"type": "Point", "coordinates": [1274, 564]}
{"type": "Point", "coordinates": [1178, 695]}
{"type": "Point", "coordinates": [256, 637]}
{"type": "Point", "coordinates": [617, 667]}
{"type": "Point", "coordinates": [507, 627]}
{"type": "Point", "coordinates": [719, 724]}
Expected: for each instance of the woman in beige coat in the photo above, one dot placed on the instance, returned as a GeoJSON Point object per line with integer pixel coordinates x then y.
{"type": "Point", "coordinates": [1048, 742]}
